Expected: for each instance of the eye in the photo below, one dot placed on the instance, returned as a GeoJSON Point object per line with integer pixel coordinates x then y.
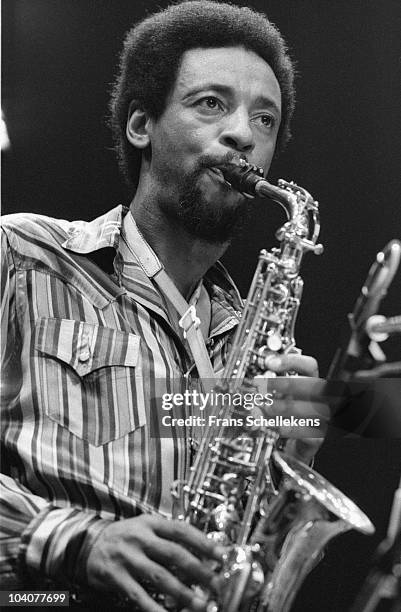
{"type": "Point", "coordinates": [210, 103]}
{"type": "Point", "coordinates": [267, 121]}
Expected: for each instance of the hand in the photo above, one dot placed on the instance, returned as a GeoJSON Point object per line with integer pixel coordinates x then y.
{"type": "Point", "coordinates": [151, 549]}
{"type": "Point", "coordinates": [301, 398]}
{"type": "Point", "coordinates": [293, 362]}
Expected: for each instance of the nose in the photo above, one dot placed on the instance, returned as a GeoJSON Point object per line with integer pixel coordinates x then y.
{"type": "Point", "coordinates": [237, 132]}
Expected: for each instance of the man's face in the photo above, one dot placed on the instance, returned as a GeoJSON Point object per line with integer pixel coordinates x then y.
{"type": "Point", "coordinates": [226, 103]}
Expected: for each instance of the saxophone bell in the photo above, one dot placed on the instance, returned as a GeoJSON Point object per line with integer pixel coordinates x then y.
{"type": "Point", "coordinates": [306, 513]}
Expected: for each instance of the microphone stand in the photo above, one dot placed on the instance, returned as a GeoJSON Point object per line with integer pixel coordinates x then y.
{"type": "Point", "coordinates": [360, 357]}
{"type": "Point", "coordinates": [384, 579]}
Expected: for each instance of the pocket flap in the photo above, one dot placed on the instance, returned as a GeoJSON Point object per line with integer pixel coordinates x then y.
{"type": "Point", "coordinates": [86, 347]}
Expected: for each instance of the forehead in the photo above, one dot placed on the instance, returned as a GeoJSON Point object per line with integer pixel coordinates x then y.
{"type": "Point", "coordinates": [236, 68]}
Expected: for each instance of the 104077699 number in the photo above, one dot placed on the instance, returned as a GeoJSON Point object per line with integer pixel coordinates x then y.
{"type": "Point", "coordinates": [34, 598]}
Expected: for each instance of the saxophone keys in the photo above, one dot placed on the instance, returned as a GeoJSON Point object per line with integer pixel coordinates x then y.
{"type": "Point", "coordinates": [225, 516]}
{"type": "Point", "coordinates": [274, 342]}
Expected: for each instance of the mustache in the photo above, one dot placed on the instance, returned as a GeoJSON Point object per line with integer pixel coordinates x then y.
{"type": "Point", "coordinates": [210, 161]}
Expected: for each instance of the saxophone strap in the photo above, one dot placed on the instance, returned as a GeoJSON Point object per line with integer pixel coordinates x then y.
{"type": "Point", "coordinates": [189, 321]}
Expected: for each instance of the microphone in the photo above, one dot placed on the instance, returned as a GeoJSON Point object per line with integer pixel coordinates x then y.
{"type": "Point", "coordinates": [379, 328]}
{"type": "Point", "coordinates": [360, 350]}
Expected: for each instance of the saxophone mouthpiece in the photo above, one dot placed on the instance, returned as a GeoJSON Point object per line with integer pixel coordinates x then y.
{"type": "Point", "coordinates": [242, 176]}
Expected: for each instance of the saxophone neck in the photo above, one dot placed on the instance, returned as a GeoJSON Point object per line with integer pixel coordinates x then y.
{"type": "Point", "coordinates": [303, 224]}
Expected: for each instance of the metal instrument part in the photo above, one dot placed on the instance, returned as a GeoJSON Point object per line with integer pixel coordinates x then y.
{"type": "Point", "coordinates": [274, 537]}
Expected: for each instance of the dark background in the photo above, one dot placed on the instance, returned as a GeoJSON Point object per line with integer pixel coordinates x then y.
{"type": "Point", "coordinates": [59, 57]}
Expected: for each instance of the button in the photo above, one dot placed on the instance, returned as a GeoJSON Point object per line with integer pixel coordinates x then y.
{"type": "Point", "coordinates": [84, 355]}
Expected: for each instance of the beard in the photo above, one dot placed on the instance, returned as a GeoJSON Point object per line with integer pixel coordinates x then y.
{"type": "Point", "coordinates": [215, 222]}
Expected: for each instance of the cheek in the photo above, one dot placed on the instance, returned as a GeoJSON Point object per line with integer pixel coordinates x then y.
{"type": "Point", "coordinates": [181, 151]}
{"type": "Point", "coordinates": [265, 153]}
{"type": "Point", "coordinates": [200, 137]}
{"type": "Point", "coordinates": [183, 140]}
{"type": "Point", "coordinates": [194, 136]}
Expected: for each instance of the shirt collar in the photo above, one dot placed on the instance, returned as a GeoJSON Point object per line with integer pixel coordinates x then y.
{"type": "Point", "coordinates": [105, 231]}
{"type": "Point", "coordinates": [87, 236]}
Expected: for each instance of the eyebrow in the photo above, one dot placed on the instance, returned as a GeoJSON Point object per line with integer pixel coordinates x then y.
{"type": "Point", "coordinates": [262, 101]}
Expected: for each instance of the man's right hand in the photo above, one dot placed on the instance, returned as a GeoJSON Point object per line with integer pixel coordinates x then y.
{"type": "Point", "coordinates": [164, 554]}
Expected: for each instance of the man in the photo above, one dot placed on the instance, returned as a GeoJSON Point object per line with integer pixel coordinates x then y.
{"type": "Point", "coordinates": [200, 84]}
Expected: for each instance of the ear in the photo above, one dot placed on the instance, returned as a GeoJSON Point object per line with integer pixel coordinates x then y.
{"type": "Point", "coordinates": [137, 127]}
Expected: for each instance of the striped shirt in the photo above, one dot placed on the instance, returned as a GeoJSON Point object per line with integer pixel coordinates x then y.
{"type": "Point", "coordinates": [84, 356]}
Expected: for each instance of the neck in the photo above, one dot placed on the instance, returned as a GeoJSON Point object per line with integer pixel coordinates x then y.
{"type": "Point", "coordinates": [185, 258]}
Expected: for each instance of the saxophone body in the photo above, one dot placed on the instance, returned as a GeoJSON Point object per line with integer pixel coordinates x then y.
{"type": "Point", "coordinates": [274, 536]}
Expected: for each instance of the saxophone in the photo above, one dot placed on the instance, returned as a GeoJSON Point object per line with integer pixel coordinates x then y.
{"type": "Point", "coordinates": [274, 537]}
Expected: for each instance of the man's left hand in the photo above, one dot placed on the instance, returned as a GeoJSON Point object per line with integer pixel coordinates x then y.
{"type": "Point", "coordinates": [301, 396]}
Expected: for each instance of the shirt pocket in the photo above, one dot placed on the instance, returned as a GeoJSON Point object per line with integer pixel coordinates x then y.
{"type": "Point", "coordinates": [90, 378]}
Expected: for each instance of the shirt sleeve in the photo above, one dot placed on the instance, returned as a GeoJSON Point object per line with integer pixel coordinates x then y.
{"type": "Point", "coordinates": [8, 318]}
{"type": "Point", "coordinates": [37, 539]}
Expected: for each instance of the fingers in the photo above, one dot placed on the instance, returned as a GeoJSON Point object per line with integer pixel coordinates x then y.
{"type": "Point", "coordinates": [303, 449]}
{"type": "Point", "coordinates": [301, 364]}
{"type": "Point", "coordinates": [277, 393]}
{"type": "Point", "coordinates": [303, 398]}
{"type": "Point", "coordinates": [123, 584]}
{"type": "Point", "coordinates": [189, 536]}
{"type": "Point", "coordinates": [128, 571]}
{"type": "Point", "coordinates": [170, 555]}
{"type": "Point", "coordinates": [298, 403]}
{"type": "Point", "coordinates": [164, 582]}
{"type": "Point", "coordinates": [137, 549]}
